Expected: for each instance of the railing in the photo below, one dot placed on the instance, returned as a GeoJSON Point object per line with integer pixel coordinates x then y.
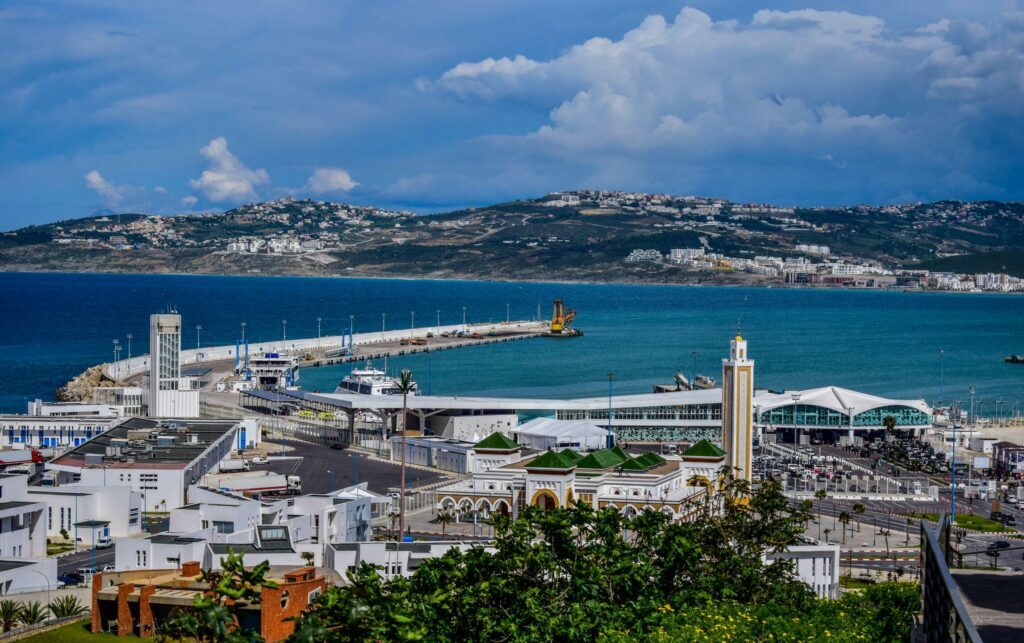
{"type": "Point", "coordinates": [53, 623]}
{"type": "Point", "coordinates": [945, 617]}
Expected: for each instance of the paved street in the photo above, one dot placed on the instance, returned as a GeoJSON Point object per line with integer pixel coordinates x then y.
{"type": "Point", "coordinates": [317, 465]}
{"type": "Point", "coordinates": [84, 558]}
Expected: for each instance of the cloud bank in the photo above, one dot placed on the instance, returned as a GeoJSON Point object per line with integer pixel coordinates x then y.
{"type": "Point", "coordinates": [330, 179]}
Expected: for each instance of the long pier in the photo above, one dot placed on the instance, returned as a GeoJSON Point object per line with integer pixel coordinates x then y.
{"type": "Point", "coordinates": [374, 345]}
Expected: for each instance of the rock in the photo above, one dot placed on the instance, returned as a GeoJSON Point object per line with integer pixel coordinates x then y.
{"type": "Point", "coordinates": [80, 388]}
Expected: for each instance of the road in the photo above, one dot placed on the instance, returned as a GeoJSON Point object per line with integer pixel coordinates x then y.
{"type": "Point", "coordinates": [318, 466]}
{"type": "Point", "coordinates": [84, 558]}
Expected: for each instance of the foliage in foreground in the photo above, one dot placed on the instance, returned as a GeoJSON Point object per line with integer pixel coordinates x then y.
{"type": "Point", "coordinates": [584, 575]}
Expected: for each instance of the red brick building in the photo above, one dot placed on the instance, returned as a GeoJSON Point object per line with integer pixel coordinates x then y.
{"type": "Point", "coordinates": [136, 602]}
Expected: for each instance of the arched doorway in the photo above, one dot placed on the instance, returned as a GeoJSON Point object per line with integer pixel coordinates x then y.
{"type": "Point", "coordinates": [545, 499]}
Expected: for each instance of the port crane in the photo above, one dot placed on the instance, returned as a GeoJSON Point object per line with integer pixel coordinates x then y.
{"type": "Point", "coordinates": [561, 321]}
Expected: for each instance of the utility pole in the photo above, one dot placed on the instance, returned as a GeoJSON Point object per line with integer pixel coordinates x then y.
{"type": "Point", "coordinates": [198, 328]}
{"type": "Point", "coordinates": [129, 347]}
{"type": "Point", "coordinates": [318, 320]}
{"type": "Point", "coordinates": [243, 332]}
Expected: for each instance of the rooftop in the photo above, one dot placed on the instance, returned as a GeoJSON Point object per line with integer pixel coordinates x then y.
{"type": "Point", "coordinates": [149, 443]}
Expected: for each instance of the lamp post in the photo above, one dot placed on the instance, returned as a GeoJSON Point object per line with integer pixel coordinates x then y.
{"type": "Point", "coordinates": [508, 313]}
{"type": "Point", "coordinates": [694, 355]}
{"type": "Point", "coordinates": [331, 472]}
{"type": "Point", "coordinates": [383, 320]}
{"type": "Point", "coordinates": [355, 467]}
{"type": "Point", "coordinates": [942, 373]}
{"type": "Point", "coordinates": [796, 430]}
{"type": "Point", "coordinates": [117, 364]}
{"type": "Point", "coordinates": [611, 376]}
{"type": "Point", "coordinates": [129, 347]}
{"type": "Point", "coordinates": [45, 578]}
{"type": "Point", "coordinates": [318, 320]}
{"type": "Point", "coordinates": [243, 332]}
{"type": "Point", "coordinates": [463, 318]}
{"type": "Point", "coordinates": [971, 389]}
{"type": "Point", "coordinates": [952, 479]}
{"type": "Point", "coordinates": [437, 328]}
{"type": "Point", "coordinates": [198, 328]}
{"type": "Point", "coordinates": [412, 320]}
{"type": "Point", "coordinates": [284, 332]}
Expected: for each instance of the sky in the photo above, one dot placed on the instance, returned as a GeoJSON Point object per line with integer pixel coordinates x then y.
{"type": "Point", "coordinates": [429, 106]}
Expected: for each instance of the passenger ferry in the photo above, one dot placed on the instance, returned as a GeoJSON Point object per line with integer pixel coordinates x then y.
{"type": "Point", "coordinates": [371, 381]}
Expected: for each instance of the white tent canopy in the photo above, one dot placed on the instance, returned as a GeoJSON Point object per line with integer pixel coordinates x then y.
{"type": "Point", "coordinates": [548, 433]}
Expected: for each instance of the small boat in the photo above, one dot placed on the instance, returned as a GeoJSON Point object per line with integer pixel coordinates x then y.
{"type": "Point", "coordinates": [371, 381]}
{"type": "Point", "coordinates": [704, 381]}
{"type": "Point", "coordinates": [1014, 359]}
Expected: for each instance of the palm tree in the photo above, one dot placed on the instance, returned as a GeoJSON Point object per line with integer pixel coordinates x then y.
{"type": "Point", "coordinates": [393, 518]}
{"type": "Point", "coordinates": [34, 612]}
{"type": "Point", "coordinates": [885, 534]}
{"type": "Point", "coordinates": [66, 606]}
{"type": "Point", "coordinates": [10, 614]}
{"type": "Point", "coordinates": [858, 509]}
{"type": "Point", "coordinates": [827, 532]}
{"type": "Point", "coordinates": [820, 495]}
{"type": "Point", "coordinates": [844, 518]}
{"type": "Point", "coordinates": [405, 386]}
{"type": "Point", "coordinates": [444, 519]}
{"type": "Point", "coordinates": [889, 422]}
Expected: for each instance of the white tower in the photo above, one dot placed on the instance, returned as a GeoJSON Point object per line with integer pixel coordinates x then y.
{"type": "Point", "coordinates": [737, 402]}
{"type": "Point", "coordinates": [165, 398]}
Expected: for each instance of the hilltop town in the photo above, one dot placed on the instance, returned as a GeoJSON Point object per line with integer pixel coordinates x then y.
{"type": "Point", "coordinates": [583, 235]}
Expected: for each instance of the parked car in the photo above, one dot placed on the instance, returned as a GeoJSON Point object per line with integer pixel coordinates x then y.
{"type": "Point", "coordinates": [259, 459]}
{"type": "Point", "coordinates": [107, 568]}
{"type": "Point", "coordinates": [104, 542]}
{"type": "Point", "coordinates": [1009, 520]}
{"type": "Point", "coordinates": [999, 544]}
{"type": "Point", "coordinates": [70, 578]}
{"type": "Point", "coordinates": [337, 446]}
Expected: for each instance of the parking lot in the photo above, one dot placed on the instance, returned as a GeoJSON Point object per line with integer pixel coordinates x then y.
{"type": "Point", "coordinates": [319, 467]}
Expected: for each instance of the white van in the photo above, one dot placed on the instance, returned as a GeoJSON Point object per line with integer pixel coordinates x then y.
{"type": "Point", "coordinates": [104, 542]}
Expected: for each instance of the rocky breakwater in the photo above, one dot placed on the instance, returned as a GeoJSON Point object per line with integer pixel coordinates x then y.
{"type": "Point", "coordinates": [81, 387]}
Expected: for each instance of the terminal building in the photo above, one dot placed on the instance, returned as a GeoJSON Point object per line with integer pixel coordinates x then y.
{"type": "Point", "coordinates": [168, 393]}
{"type": "Point", "coordinates": [159, 459]}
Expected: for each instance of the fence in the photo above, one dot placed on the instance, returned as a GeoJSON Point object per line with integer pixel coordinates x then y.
{"type": "Point", "coordinates": [945, 617]}
{"type": "Point", "coordinates": [39, 628]}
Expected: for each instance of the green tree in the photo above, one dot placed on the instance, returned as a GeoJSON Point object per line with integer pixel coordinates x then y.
{"type": "Point", "coordinates": [34, 612]}
{"type": "Point", "coordinates": [570, 574]}
{"type": "Point", "coordinates": [820, 495]}
{"type": "Point", "coordinates": [444, 518]}
{"type": "Point", "coordinates": [64, 606]}
{"type": "Point", "coordinates": [889, 422]}
{"type": "Point", "coordinates": [859, 509]}
{"type": "Point", "coordinates": [64, 534]}
{"type": "Point", "coordinates": [213, 615]}
{"type": "Point", "coordinates": [405, 387]}
{"type": "Point", "coordinates": [10, 615]}
{"type": "Point", "coordinates": [844, 519]}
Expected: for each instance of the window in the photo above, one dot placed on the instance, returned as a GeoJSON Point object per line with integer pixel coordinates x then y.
{"type": "Point", "coordinates": [49, 517]}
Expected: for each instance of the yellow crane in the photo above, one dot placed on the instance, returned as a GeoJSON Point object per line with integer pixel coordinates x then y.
{"type": "Point", "coordinates": [561, 321]}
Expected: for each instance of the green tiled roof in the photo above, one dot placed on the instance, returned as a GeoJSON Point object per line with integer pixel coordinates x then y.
{"type": "Point", "coordinates": [603, 459]}
{"type": "Point", "coordinates": [569, 453]}
{"type": "Point", "coordinates": [632, 465]}
{"type": "Point", "coordinates": [704, 449]}
{"type": "Point", "coordinates": [650, 459]}
{"type": "Point", "coordinates": [496, 441]}
{"type": "Point", "coordinates": [551, 460]}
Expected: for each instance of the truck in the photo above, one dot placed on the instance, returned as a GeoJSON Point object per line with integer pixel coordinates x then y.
{"type": "Point", "coordinates": [256, 483]}
{"type": "Point", "coordinates": [229, 466]}
{"type": "Point", "coordinates": [10, 457]}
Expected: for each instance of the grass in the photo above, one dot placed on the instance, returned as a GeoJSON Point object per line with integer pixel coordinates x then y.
{"type": "Point", "coordinates": [847, 582]}
{"type": "Point", "coordinates": [73, 633]}
{"type": "Point", "coordinates": [978, 523]}
{"type": "Point", "coordinates": [52, 549]}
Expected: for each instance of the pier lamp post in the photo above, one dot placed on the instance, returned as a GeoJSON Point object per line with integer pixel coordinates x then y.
{"type": "Point", "coordinates": [198, 329]}
{"type": "Point", "coordinates": [796, 429]}
{"type": "Point", "coordinates": [971, 390]}
{"type": "Point", "coordinates": [117, 362]}
{"type": "Point", "coordinates": [318, 320]}
{"type": "Point", "coordinates": [412, 320]}
{"type": "Point", "coordinates": [507, 313]}
{"type": "Point", "coordinates": [942, 373]}
{"type": "Point", "coordinates": [284, 332]}
{"type": "Point", "coordinates": [437, 329]}
{"type": "Point", "coordinates": [999, 409]}
{"type": "Point", "coordinates": [243, 332]}
{"type": "Point", "coordinates": [129, 347]}
{"type": "Point", "coordinates": [611, 376]}
{"type": "Point", "coordinates": [952, 478]}
{"type": "Point", "coordinates": [463, 318]}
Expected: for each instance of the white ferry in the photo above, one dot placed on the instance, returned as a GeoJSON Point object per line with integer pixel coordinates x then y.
{"type": "Point", "coordinates": [371, 381]}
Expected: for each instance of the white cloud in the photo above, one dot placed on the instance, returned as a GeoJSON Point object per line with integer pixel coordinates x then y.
{"type": "Point", "coordinates": [226, 177]}
{"type": "Point", "coordinates": [160, 189]}
{"type": "Point", "coordinates": [330, 179]}
{"type": "Point", "coordinates": [113, 195]}
{"type": "Point", "coordinates": [189, 201]}
{"type": "Point", "coordinates": [673, 100]}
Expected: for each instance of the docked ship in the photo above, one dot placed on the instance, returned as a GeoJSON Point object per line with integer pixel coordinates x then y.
{"type": "Point", "coordinates": [371, 381]}
{"type": "Point", "coordinates": [1014, 359]}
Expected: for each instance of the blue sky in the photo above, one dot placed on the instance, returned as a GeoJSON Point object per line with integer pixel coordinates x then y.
{"type": "Point", "coordinates": [176, 107]}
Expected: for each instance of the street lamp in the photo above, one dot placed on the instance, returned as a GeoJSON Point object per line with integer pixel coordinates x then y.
{"type": "Point", "coordinates": [971, 389]}
{"type": "Point", "coordinates": [284, 332]}
{"type": "Point", "coordinates": [942, 373]}
{"type": "Point", "coordinates": [412, 321]}
{"type": "Point", "coordinates": [507, 313]}
{"type": "Point", "coordinates": [129, 347]}
{"type": "Point", "coordinates": [383, 320]}
{"type": "Point", "coordinates": [198, 328]}
{"type": "Point", "coordinates": [318, 320]}
{"type": "Point", "coordinates": [437, 329]}
{"type": "Point", "coordinates": [243, 332]}
{"type": "Point", "coordinates": [611, 376]}
{"type": "Point", "coordinates": [796, 429]}
{"type": "Point", "coordinates": [463, 318]}
{"type": "Point", "coordinates": [330, 471]}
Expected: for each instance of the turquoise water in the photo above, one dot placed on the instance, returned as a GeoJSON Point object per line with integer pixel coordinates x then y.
{"type": "Point", "coordinates": [53, 326]}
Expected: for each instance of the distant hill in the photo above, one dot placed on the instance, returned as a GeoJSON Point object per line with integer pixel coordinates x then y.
{"type": "Point", "coordinates": [1009, 261]}
{"type": "Point", "coordinates": [574, 236]}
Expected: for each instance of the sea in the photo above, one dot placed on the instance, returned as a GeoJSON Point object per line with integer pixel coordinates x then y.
{"type": "Point", "coordinates": [932, 346]}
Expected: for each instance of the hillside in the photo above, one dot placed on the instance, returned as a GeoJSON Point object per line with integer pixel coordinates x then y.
{"type": "Point", "coordinates": [582, 235]}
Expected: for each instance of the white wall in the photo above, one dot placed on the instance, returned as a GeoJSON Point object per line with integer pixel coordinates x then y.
{"type": "Point", "coordinates": [472, 428]}
{"type": "Point", "coordinates": [41, 575]}
{"type": "Point", "coordinates": [21, 430]}
{"type": "Point", "coordinates": [115, 503]}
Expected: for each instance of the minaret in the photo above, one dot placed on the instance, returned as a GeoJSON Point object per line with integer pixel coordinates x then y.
{"type": "Point", "coordinates": [737, 401]}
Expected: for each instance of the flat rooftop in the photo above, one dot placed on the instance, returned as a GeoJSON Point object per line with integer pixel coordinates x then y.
{"type": "Point", "coordinates": [144, 450]}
